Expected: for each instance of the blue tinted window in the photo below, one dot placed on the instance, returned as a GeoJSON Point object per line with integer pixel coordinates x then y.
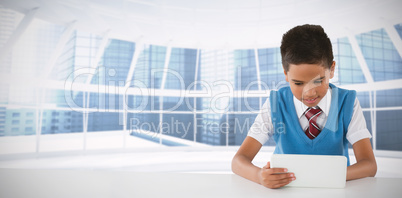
{"type": "Point", "coordinates": [380, 54]}
{"type": "Point", "coordinates": [239, 126]}
{"type": "Point", "coordinates": [271, 70]}
{"type": "Point", "coordinates": [148, 72]}
{"type": "Point", "coordinates": [143, 122]}
{"type": "Point", "coordinates": [182, 65]}
{"type": "Point", "coordinates": [212, 131]}
{"type": "Point", "coordinates": [246, 104]}
{"type": "Point", "coordinates": [364, 99]}
{"type": "Point", "coordinates": [115, 63]}
{"type": "Point", "coordinates": [389, 98]}
{"type": "Point", "coordinates": [246, 72]}
{"type": "Point", "coordinates": [389, 136]}
{"type": "Point", "coordinates": [178, 125]}
{"type": "Point", "coordinates": [398, 28]}
{"type": "Point", "coordinates": [347, 68]}
{"type": "Point", "coordinates": [102, 121]}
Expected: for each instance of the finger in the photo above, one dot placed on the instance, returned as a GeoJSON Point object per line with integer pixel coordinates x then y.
{"type": "Point", "coordinates": [279, 170]}
{"type": "Point", "coordinates": [268, 166]}
{"type": "Point", "coordinates": [278, 177]}
{"type": "Point", "coordinates": [282, 182]}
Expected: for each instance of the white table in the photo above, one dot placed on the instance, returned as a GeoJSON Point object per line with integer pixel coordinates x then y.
{"type": "Point", "coordinates": [103, 183]}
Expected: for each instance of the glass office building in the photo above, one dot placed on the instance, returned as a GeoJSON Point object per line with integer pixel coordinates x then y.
{"type": "Point", "coordinates": [168, 95]}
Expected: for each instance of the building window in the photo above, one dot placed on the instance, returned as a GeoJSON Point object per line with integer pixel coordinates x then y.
{"type": "Point", "coordinates": [15, 122]}
{"type": "Point", "coordinates": [30, 114]}
{"type": "Point", "coordinates": [29, 122]}
{"type": "Point", "coordinates": [15, 115]}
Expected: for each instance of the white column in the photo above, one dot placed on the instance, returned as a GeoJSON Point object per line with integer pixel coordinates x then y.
{"type": "Point", "coordinates": [86, 95]}
{"type": "Point", "coordinates": [257, 67]}
{"type": "Point", "coordinates": [360, 58]}
{"type": "Point", "coordinates": [85, 113]}
{"type": "Point", "coordinates": [125, 132]}
{"type": "Point", "coordinates": [99, 54]}
{"type": "Point", "coordinates": [374, 128]}
{"type": "Point", "coordinates": [139, 47]}
{"type": "Point", "coordinates": [39, 115]}
{"type": "Point", "coordinates": [21, 28]}
{"type": "Point", "coordinates": [165, 67]}
{"type": "Point", "coordinates": [227, 110]}
{"type": "Point", "coordinates": [395, 38]}
{"type": "Point", "coordinates": [195, 98]}
{"type": "Point", "coordinates": [164, 76]}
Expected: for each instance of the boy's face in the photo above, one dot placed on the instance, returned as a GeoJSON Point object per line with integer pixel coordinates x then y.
{"type": "Point", "coordinates": [309, 82]}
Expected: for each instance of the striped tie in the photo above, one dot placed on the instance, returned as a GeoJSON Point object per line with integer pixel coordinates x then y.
{"type": "Point", "coordinates": [311, 114]}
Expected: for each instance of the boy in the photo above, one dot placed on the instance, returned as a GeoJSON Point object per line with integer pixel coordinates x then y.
{"type": "Point", "coordinates": [311, 116]}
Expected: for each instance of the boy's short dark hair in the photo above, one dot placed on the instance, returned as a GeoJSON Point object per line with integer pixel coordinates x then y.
{"type": "Point", "coordinates": [306, 44]}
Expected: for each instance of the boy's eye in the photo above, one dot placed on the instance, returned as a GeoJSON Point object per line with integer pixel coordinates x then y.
{"type": "Point", "coordinates": [298, 83]}
{"type": "Point", "coordinates": [318, 82]}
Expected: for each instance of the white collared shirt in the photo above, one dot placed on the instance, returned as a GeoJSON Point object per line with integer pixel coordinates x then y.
{"type": "Point", "coordinates": [262, 127]}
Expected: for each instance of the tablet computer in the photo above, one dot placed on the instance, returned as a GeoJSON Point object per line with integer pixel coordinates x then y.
{"type": "Point", "coordinates": [321, 171]}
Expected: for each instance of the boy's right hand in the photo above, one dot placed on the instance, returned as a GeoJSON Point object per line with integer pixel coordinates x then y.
{"type": "Point", "coordinates": [275, 177]}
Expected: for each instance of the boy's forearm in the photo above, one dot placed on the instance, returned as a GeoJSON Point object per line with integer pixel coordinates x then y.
{"type": "Point", "coordinates": [364, 168]}
{"type": "Point", "coordinates": [243, 167]}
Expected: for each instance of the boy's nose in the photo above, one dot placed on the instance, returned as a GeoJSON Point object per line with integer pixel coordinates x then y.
{"type": "Point", "coordinates": [309, 93]}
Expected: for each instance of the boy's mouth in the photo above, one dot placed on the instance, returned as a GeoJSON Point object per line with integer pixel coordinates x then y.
{"type": "Point", "coordinates": [311, 100]}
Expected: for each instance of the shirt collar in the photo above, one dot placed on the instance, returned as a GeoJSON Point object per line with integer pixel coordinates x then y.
{"type": "Point", "coordinates": [324, 104]}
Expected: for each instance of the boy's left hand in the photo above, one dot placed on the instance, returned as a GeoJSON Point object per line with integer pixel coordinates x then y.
{"type": "Point", "coordinates": [275, 177]}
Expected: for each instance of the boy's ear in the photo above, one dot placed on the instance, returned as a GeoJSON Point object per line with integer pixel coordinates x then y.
{"type": "Point", "coordinates": [332, 70]}
{"type": "Point", "coordinates": [286, 75]}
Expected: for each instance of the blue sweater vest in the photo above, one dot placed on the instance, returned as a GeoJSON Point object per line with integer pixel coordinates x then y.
{"type": "Point", "coordinates": [290, 137]}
